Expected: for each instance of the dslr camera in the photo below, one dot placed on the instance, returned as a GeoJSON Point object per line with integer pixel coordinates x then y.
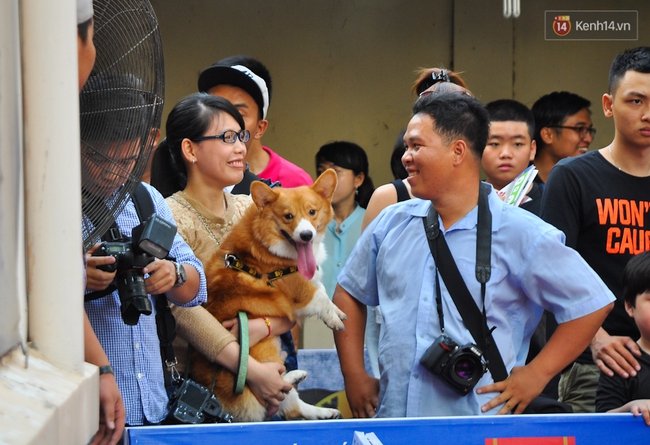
{"type": "Point", "coordinates": [459, 367]}
{"type": "Point", "coordinates": [193, 403]}
{"type": "Point", "coordinates": [151, 239]}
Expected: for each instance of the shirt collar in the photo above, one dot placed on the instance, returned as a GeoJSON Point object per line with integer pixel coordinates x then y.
{"type": "Point", "coordinates": [420, 208]}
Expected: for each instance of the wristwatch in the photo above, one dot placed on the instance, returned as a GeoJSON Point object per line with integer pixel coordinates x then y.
{"type": "Point", "coordinates": [181, 276]}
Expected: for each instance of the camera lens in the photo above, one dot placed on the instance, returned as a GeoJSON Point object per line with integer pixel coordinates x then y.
{"type": "Point", "coordinates": [465, 369]}
{"type": "Point", "coordinates": [133, 296]}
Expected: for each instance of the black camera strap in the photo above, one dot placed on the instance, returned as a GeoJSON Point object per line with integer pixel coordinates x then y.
{"type": "Point", "coordinates": [474, 319]}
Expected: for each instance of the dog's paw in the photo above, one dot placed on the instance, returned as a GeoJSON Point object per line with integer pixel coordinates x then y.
{"type": "Point", "coordinates": [334, 323]}
{"type": "Point", "coordinates": [296, 376]}
{"type": "Point", "coordinates": [326, 413]}
{"type": "Point", "coordinates": [333, 318]}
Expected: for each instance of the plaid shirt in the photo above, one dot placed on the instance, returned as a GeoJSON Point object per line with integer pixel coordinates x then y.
{"type": "Point", "coordinates": [134, 351]}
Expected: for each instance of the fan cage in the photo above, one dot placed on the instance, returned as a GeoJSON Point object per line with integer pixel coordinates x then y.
{"type": "Point", "coordinates": [120, 110]}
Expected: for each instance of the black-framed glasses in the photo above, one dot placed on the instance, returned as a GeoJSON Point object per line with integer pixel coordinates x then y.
{"type": "Point", "coordinates": [228, 136]}
{"type": "Point", "coordinates": [582, 131]}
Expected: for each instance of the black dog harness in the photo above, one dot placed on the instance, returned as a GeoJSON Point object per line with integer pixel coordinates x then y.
{"type": "Point", "coordinates": [233, 262]}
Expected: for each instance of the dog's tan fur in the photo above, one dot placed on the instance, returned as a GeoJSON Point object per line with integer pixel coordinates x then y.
{"type": "Point", "coordinates": [258, 242]}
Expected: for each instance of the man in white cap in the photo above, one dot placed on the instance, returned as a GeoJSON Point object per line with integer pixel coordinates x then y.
{"type": "Point", "coordinates": [246, 83]}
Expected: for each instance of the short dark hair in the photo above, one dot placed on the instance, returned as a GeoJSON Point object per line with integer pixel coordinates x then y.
{"type": "Point", "coordinates": [457, 116]}
{"type": "Point", "coordinates": [503, 110]}
{"type": "Point", "coordinates": [636, 277]}
{"type": "Point", "coordinates": [396, 166]}
{"type": "Point", "coordinates": [82, 30]}
{"type": "Point", "coordinates": [351, 156]}
{"type": "Point", "coordinates": [633, 59]}
{"type": "Point", "coordinates": [553, 109]}
{"type": "Point", "coordinates": [114, 107]}
{"type": "Point", "coordinates": [189, 119]}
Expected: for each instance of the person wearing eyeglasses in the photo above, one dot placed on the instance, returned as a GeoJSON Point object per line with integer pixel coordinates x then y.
{"type": "Point", "coordinates": [600, 201]}
{"type": "Point", "coordinates": [204, 153]}
{"type": "Point", "coordinates": [246, 83]}
{"type": "Point", "coordinates": [563, 128]}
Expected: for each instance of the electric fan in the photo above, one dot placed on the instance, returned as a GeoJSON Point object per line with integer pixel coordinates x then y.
{"type": "Point", "coordinates": [120, 110]}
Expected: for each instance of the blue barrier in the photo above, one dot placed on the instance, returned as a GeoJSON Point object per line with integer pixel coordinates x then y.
{"type": "Point", "coordinates": [580, 429]}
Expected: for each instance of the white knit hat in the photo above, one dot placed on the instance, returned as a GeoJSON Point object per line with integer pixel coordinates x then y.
{"type": "Point", "coordinates": [84, 11]}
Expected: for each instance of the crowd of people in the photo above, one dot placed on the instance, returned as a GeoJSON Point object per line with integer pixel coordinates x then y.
{"type": "Point", "coordinates": [563, 300]}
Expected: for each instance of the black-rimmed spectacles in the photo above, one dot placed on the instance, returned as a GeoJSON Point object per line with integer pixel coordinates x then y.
{"type": "Point", "coordinates": [228, 136]}
{"type": "Point", "coordinates": [582, 131]}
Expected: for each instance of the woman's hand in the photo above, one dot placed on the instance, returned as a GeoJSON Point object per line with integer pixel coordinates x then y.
{"type": "Point", "coordinates": [266, 383]}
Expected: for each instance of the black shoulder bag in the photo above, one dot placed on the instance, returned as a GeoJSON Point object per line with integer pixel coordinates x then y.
{"type": "Point", "coordinates": [474, 319]}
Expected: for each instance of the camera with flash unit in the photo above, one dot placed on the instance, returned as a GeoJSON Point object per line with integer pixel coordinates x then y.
{"type": "Point", "coordinates": [150, 240]}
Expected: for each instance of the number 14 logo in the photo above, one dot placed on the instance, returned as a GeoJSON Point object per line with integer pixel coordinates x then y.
{"type": "Point", "coordinates": [562, 25]}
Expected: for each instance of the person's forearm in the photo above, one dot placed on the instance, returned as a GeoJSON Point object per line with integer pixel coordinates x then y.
{"type": "Point", "coordinates": [600, 333]}
{"type": "Point", "coordinates": [204, 332]}
{"type": "Point", "coordinates": [93, 350]}
{"type": "Point", "coordinates": [187, 292]}
{"type": "Point", "coordinates": [567, 342]}
{"type": "Point", "coordinates": [259, 330]}
{"type": "Point", "coordinates": [349, 343]}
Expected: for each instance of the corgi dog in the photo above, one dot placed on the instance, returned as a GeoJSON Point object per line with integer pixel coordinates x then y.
{"type": "Point", "coordinates": [267, 267]}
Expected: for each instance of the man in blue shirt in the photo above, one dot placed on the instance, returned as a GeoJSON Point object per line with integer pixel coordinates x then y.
{"type": "Point", "coordinates": [108, 162]}
{"type": "Point", "coordinates": [134, 351]}
{"type": "Point", "coordinates": [392, 266]}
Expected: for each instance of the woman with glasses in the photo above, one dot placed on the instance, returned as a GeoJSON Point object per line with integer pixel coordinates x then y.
{"type": "Point", "coordinates": [202, 154]}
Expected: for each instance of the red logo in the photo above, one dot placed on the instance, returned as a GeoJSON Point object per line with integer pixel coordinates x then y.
{"type": "Point", "coordinates": [561, 25]}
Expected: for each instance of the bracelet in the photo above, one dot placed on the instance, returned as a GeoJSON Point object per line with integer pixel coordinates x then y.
{"type": "Point", "coordinates": [268, 326]}
{"type": "Point", "coordinates": [108, 369]}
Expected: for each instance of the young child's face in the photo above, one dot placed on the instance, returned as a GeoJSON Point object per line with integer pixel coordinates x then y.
{"type": "Point", "coordinates": [641, 314]}
{"type": "Point", "coordinates": [508, 152]}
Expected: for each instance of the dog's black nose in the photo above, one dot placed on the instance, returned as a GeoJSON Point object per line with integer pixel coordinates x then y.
{"type": "Point", "coordinates": [307, 235]}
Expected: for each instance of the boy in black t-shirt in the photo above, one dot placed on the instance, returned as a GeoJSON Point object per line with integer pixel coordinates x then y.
{"type": "Point", "coordinates": [616, 394]}
{"type": "Point", "coordinates": [600, 201]}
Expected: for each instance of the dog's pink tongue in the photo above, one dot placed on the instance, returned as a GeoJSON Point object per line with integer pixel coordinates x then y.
{"type": "Point", "coordinates": [306, 260]}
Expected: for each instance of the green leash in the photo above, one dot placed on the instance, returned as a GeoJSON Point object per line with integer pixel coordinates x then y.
{"type": "Point", "coordinates": [243, 352]}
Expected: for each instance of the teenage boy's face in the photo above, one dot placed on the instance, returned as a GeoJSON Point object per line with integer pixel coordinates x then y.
{"type": "Point", "coordinates": [641, 314]}
{"type": "Point", "coordinates": [245, 104]}
{"type": "Point", "coordinates": [629, 105]}
{"type": "Point", "coordinates": [508, 152]}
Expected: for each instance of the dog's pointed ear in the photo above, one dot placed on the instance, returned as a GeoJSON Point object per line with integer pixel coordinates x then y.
{"type": "Point", "coordinates": [262, 194]}
{"type": "Point", "coordinates": [326, 184]}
